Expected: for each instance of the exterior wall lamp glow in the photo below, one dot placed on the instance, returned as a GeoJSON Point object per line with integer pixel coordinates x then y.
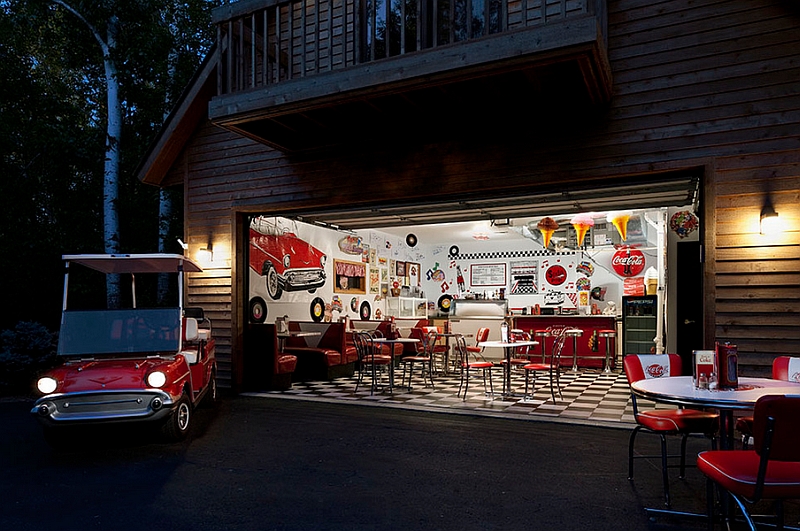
{"type": "Point", "coordinates": [770, 223]}
{"type": "Point", "coordinates": [205, 255]}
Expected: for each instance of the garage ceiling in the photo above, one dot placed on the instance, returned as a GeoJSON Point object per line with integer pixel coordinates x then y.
{"type": "Point", "coordinates": [674, 192]}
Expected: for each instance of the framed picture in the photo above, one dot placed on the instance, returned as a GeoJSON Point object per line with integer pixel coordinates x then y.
{"type": "Point", "coordinates": [400, 269]}
{"type": "Point", "coordinates": [350, 277]}
{"type": "Point", "coordinates": [412, 270]}
{"type": "Point", "coordinates": [487, 274]}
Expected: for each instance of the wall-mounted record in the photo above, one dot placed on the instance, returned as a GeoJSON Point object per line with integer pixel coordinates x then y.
{"type": "Point", "coordinates": [317, 309]}
{"type": "Point", "coordinates": [445, 301]}
{"type": "Point", "coordinates": [366, 311]}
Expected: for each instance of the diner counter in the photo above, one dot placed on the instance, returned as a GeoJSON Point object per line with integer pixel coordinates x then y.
{"type": "Point", "coordinates": [591, 347]}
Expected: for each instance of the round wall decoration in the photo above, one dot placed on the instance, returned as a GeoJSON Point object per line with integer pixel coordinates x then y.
{"type": "Point", "coordinates": [411, 240]}
{"type": "Point", "coordinates": [628, 262]}
{"type": "Point", "coordinates": [445, 301]}
{"type": "Point", "coordinates": [454, 250]}
{"type": "Point", "coordinates": [365, 311]}
{"type": "Point", "coordinates": [556, 275]}
{"type": "Point", "coordinates": [317, 309]}
{"type": "Point", "coordinates": [258, 310]}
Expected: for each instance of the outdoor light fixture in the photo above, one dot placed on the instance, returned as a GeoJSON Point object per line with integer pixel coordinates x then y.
{"type": "Point", "coordinates": [770, 224]}
{"type": "Point", "coordinates": [205, 255]}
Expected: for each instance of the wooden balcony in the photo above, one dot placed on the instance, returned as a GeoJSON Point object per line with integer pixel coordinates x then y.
{"type": "Point", "coordinates": [304, 74]}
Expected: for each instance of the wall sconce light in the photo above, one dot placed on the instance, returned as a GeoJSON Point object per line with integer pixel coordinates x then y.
{"type": "Point", "coordinates": [205, 255]}
{"type": "Point", "coordinates": [770, 224]}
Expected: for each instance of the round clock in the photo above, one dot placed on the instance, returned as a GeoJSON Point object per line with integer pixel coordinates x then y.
{"type": "Point", "coordinates": [556, 275]}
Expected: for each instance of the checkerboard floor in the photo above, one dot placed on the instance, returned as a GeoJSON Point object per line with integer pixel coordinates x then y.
{"type": "Point", "coordinates": [588, 396]}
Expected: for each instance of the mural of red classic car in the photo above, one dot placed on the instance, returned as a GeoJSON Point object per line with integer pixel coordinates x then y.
{"type": "Point", "coordinates": [286, 262]}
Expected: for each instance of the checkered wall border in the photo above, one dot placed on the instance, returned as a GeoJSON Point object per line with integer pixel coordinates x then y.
{"type": "Point", "coordinates": [509, 254]}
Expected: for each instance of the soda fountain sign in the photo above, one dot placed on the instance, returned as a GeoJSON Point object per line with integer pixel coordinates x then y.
{"type": "Point", "coordinates": [628, 262]}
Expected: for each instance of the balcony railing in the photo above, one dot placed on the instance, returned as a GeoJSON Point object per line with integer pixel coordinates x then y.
{"type": "Point", "coordinates": [263, 42]}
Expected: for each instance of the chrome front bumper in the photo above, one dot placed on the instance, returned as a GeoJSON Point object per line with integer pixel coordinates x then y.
{"type": "Point", "coordinates": [102, 406]}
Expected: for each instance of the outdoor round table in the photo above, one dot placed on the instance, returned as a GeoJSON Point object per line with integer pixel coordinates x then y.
{"type": "Point", "coordinates": [680, 390]}
{"type": "Point", "coordinates": [509, 350]}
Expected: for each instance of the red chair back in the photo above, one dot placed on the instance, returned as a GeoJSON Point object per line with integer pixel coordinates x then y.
{"type": "Point", "coordinates": [482, 335]}
{"type": "Point", "coordinates": [641, 366]}
{"type": "Point", "coordinates": [786, 368]}
{"type": "Point", "coordinates": [785, 410]}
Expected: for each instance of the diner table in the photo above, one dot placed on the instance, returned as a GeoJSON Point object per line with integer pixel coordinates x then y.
{"type": "Point", "coordinates": [392, 341]}
{"type": "Point", "coordinates": [509, 347]}
{"type": "Point", "coordinates": [283, 336]}
{"type": "Point", "coordinates": [680, 391]}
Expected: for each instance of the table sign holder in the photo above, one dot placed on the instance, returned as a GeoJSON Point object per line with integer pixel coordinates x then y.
{"type": "Point", "coordinates": [702, 363]}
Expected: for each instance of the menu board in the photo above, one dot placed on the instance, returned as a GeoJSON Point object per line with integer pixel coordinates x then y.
{"type": "Point", "coordinates": [487, 274]}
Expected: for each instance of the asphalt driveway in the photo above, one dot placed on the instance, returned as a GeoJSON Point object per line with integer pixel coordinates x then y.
{"type": "Point", "coordinates": [264, 464]}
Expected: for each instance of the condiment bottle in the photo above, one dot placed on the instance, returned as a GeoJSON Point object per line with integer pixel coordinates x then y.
{"type": "Point", "coordinates": [702, 382]}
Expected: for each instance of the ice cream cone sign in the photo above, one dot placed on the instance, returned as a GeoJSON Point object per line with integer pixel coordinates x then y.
{"type": "Point", "coordinates": [582, 223]}
{"type": "Point", "coordinates": [620, 221]}
{"type": "Point", "coordinates": [547, 226]}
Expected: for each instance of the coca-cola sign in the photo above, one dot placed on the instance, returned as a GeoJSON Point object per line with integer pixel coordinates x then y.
{"type": "Point", "coordinates": [628, 262]}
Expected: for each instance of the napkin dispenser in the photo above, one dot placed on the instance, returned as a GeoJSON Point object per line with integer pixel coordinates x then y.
{"type": "Point", "coordinates": [727, 356]}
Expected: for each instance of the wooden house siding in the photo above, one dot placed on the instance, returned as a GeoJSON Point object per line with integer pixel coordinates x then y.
{"type": "Point", "coordinates": [709, 84]}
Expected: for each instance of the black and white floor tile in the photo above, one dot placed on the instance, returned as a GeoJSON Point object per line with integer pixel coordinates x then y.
{"type": "Point", "coordinates": [587, 397]}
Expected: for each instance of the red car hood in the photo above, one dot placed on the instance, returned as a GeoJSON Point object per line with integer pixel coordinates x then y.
{"type": "Point", "coordinates": [109, 374]}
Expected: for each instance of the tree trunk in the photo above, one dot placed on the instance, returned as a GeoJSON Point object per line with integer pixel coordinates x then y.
{"type": "Point", "coordinates": [112, 162]}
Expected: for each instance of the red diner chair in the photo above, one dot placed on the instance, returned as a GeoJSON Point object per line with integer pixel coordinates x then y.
{"type": "Point", "coordinates": [770, 471]}
{"type": "Point", "coordinates": [665, 422]}
{"type": "Point", "coordinates": [480, 337]}
{"type": "Point", "coordinates": [784, 368]}
{"type": "Point", "coordinates": [369, 360]}
{"type": "Point", "coordinates": [469, 365]}
{"type": "Point", "coordinates": [422, 358]}
{"type": "Point", "coordinates": [553, 367]}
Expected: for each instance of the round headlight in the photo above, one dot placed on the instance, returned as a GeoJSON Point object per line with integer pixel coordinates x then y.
{"type": "Point", "coordinates": [156, 379]}
{"type": "Point", "coordinates": [287, 261]}
{"type": "Point", "coordinates": [46, 385]}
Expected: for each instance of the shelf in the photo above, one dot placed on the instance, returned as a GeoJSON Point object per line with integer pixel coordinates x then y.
{"type": "Point", "coordinates": [407, 307]}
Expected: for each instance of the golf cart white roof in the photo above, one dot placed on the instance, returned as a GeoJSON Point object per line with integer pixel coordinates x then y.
{"type": "Point", "coordinates": [135, 263]}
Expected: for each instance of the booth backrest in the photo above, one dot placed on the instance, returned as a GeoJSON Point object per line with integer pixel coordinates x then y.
{"type": "Point", "coordinates": [331, 337]}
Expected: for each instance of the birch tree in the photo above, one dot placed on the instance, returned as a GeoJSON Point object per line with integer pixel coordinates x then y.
{"type": "Point", "coordinates": [107, 41]}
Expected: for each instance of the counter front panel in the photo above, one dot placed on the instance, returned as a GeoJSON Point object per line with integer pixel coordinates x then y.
{"type": "Point", "coordinates": [591, 347]}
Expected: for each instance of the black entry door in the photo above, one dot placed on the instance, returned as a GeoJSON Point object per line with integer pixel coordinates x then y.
{"type": "Point", "coordinates": [689, 303]}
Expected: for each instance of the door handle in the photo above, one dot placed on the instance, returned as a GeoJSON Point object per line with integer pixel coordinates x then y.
{"type": "Point", "coordinates": [688, 321]}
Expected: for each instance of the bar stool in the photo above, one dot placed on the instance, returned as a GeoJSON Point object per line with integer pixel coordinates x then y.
{"type": "Point", "coordinates": [540, 336]}
{"type": "Point", "coordinates": [574, 333]}
{"type": "Point", "coordinates": [609, 335]}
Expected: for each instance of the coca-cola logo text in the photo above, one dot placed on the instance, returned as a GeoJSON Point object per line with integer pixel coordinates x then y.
{"type": "Point", "coordinates": [655, 370]}
{"type": "Point", "coordinates": [628, 262]}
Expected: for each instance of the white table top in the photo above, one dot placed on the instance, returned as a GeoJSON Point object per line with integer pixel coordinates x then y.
{"type": "Point", "coordinates": [398, 340]}
{"type": "Point", "coordinates": [505, 344]}
{"type": "Point", "coordinates": [680, 390]}
{"type": "Point", "coordinates": [297, 333]}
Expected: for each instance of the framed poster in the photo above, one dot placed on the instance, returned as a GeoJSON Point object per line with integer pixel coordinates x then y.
{"type": "Point", "coordinates": [487, 275]}
{"type": "Point", "coordinates": [351, 277]}
{"type": "Point", "coordinates": [524, 277]}
{"type": "Point", "coordinates": [400, 269]}
{"type": "Point", "coordinates": [412, 270]}
{"type": "Point", "coordinates": [374, 281]}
